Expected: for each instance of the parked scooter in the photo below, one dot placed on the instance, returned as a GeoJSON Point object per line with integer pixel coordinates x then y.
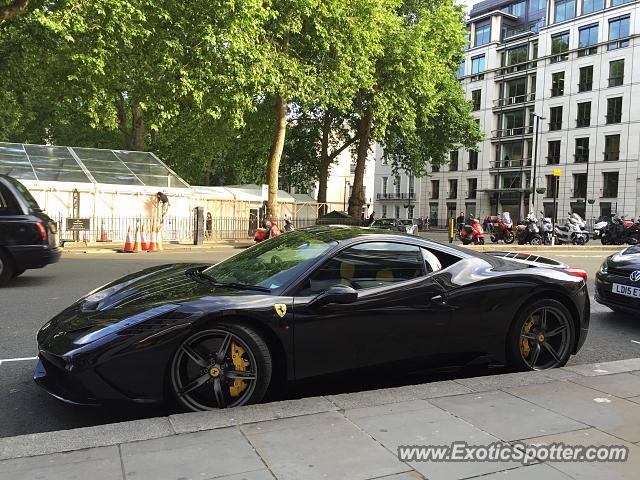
{"type": "Point", "coordinates": [527, 231]}
{"type": "Point", "coordinates": [546, 230]}
{"type": "Point", "coordinates": [288, 225]}
{"type": "Point", "coordinates": [500, 228]}
{"type": "Point", "coordinates": [619, 231]}
{"type": "Point", "coordinates": [573, 231]}
{"type": "Point", "coordinates": [266, 233]}
{"type": "Point", "coordinates": [600, 227]}
{"type": "Point", "coordinates": [472, 233]}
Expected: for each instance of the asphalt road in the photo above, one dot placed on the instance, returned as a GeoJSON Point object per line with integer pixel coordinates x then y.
{"type": "Point", "coordinates": [36, 296]}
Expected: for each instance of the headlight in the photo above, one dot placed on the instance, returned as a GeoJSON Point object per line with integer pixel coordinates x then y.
{"type": "Point", "coordinates": [604, 268]}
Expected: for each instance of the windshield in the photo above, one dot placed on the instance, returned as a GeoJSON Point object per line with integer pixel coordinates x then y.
{"type": "Point", "coordinates": [272, 263]}
{"type": "Point", "coordinates": [383, 222]}
{"type": "Point", "coordinates": [26, 195]}
{"type": "Point", "coordinates": [406, 222]}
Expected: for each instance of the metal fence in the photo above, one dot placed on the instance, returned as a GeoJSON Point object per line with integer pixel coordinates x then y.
{"type": "Point", "coordinates": [174, 228]}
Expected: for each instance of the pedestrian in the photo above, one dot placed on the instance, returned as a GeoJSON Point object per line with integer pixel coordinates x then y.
{"type": "Point", "coordinates": [209, 226]}
{"type": "Point", "coordinates": [460, 221]}
{"type": "Point", "coordinates": [372, 217]}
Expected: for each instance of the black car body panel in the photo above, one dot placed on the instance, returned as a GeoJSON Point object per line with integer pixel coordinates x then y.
{"type": "Point", "coordinates": [117, 342]}
{"type": "Point", "coordinates": [22, 224]}
{"type": "Point", "coordinates": [620, 268]}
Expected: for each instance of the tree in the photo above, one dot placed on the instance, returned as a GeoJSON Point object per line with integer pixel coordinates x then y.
{"type": "Point", "coordinates": [423, 44]}
{"type": "Point", "coordinates": [11, 9]}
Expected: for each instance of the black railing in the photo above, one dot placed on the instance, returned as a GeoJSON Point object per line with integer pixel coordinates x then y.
{"type": "Point", "coordinates": [396, 196]}
{"type": "Point", "coordinates": [557, 92]}
{"type": "Point", "coordinates": [611, 156]}
{"type": "Point", "coordinates": [583, 122]}
{"type": "Point", "coordinates": [585, 86]}
{"type": "Point", "coordinates": [615, 118]}
{"type": "Point", "coordinates": [555, 126]}
{"type": "Point", "coordinates": [553, 159]}
{"type": "Point", "coordinates": [616, 81]}
{"type": "Point", "coordinates": [582, 157]}
{"type": "Point", "coordinates": [583, 52]}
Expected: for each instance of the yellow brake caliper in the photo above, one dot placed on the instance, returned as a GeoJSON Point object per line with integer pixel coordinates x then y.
{"type": "Point", "coordinates": [239, 365]}
{"type": "Point", "coordinates": [524, 342]}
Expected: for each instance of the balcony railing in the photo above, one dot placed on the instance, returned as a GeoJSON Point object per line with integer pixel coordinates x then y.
{"type": "Point", "coordinates": [513, 132]}
{"type": "Point", "coordinates": [583, 122]}
{"type": "Point", "coordinates": [557, 92]}
{"type": "Point", "coordinates": [396, 196]}
{"type": "Point", "coordinates": [515, 100]}
{"type": "Point", "coordinates": [614, 118]}
{"type": "Point", "coordinates": [581, 157]}
{"type": "Point", "coordinates": [555, 126]}
{"type": "Point", "coordinates": [519, 67]}
{"type": "Point", "coordinates": [583, 52]}
{"type": "Point", "coordinates": [553, 159]}
{"type": "Point", "coordinates": [511, 163]}
{"type": "Point", "coordinates": [611, 156]}
{"type": "Point", "coordinates": [616, 81]}
{"type": "Point", "coordinates": [560, 57]}
{"type": "Point", "coordinates": [585, 86]}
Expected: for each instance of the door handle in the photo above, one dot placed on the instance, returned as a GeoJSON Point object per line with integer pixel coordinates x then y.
{"type": "Point", "coordinates": [439, 299]}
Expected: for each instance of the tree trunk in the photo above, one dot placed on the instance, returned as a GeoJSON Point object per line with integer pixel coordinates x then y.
{"type": "Point", "coordinates": [207, 171]}
{"type": "Point", "coordinates": [123, 124]}
{"type": "Point", "coordinates": [325, 163]}
{"type": "Point", "coordinates": [12, 10]}
{"type": "Point", "coordinates": [356, 200]}
{"type": "Point", "coordinates": [277, 146]}
{"type": "Point", "coordinates": [137, 128]}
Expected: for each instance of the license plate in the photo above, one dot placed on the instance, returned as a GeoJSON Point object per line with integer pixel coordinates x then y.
{"type": "Point", "coordinates": [626, 290]}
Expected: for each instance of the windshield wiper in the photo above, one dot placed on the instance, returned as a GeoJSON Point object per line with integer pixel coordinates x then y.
{"type": "Point", "coordinates": [201, 277]}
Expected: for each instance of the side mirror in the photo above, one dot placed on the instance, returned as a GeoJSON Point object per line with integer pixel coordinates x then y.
{"type": "Point", "coordinates": [336, 294]}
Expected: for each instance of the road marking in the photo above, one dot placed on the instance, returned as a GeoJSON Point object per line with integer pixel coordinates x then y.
{"type": "Point", "coordinates": [24, 359]}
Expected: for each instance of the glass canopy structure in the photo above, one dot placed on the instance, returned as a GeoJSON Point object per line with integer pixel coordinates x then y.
{"type": "Point", "coordinates": [86, 165]}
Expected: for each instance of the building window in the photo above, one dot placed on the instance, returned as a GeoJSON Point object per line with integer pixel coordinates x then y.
{"type": "Point", "coordinates": [411, 182]}
{"type": "Point", "coordinates": [552, 184]}
{"type": "Point", "coordinates": [615, 3]}
{"type": "Point", "coordinates": [586, 79]}
{"type": "Point", "coordinates": [584, 114]}
{"type": "Point", "coordinates": [579, 185]}
{"type": "Point", "coordinates": [565, 10]}
{"type": "Point", "coordinates": [616, 73]}
{"type": "Point", "coordinates": [453, 160]}
{"type": "Point", "coordinates": [476, 99]}
{"type": "Point", "coordinates": [461, 69]}
{"type": "Point", "coordinates": [473, 160]}
{"type": "Point", "coordinates": [483, 34]}
{"type": "Point", "coordinates": [537, 5]}
{"type": "Point", "coordinates": [559, 47]}
{"type": "Point", "coordinates": [614, 110]}
{"type": "Point", "coordinates": [384, 211]}
{"type": "Point", "coordinates": [472, 187]}
{"type": "Point", "coordinates": [553, 152]}
{"type": "Point", "coordinates": [516, 56]}
{"type": "Point", "coordinates": [514, 91]}
{"type": "Point", "coordinates": [610, 184]}
{"type": "Point", "coordinates": [611, 148]}
{"type": "Point", "coordinates": [385, 183]}
{"type": "Point", "coordinates": [477, 67]}
{"type": "Point", "coordinates": [518, 9]}
{"type": "Point", "coordinates": [453, 189]}
{"type": "Point", "coordinates": [396, 184]}
{"type": "Point", "coordinates": [397, 211]}
{"type": "Point", "coordinates": [435, 168]}
{"type": "Point", "coordinates": [557, 84]}
{"type": "Point", "coordinates": [589, 6]}
{"type": "Point", "coordinates": [582, 150]}
{"type": "Point", "coordinates": [555, 118]}
{"type": "Point", "coordinates": [618, 33]}
{"type": "Point", "coordinates": [587, 39]}
{"type": "Point", "coordinates": [435, 189]}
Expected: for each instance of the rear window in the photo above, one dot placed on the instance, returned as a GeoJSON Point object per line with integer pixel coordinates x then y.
{"type": "Point", "coordinates": [25, 194]}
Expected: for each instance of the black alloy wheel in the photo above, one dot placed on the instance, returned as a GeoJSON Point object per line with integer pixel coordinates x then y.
{"type": "Point", "coordinates": [509, 238]}
{"type": "Point", "coordinates": [541, 337]}
{"type": "Point", "coordinates": [222, 367]}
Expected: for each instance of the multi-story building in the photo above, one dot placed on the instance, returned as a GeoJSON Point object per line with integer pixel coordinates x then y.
{"type": "Point", "coordinates": [555, 88]}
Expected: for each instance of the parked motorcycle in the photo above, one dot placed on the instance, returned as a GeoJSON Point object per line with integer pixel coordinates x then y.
{"type": "Point", "coordinates": [472, 232]}
{"type": "Point", "coordinates": [619, 231]}
{"type": "Point", "coordinates": [527, 231]}
{"type": "Point", "coordinates": [266, 233]}
{"type": "Point", "coordinates": [546, 230]}
{"type": "Point", "coordinates": [288, 225]}
{"type": "Point", "coordinates": [573, 231]}
{"type": "Point", "coordinates": [599, 227]}
{"type": "Point", "coordinates": [500, 228]}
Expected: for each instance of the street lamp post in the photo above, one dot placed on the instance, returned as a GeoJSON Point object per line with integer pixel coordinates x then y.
{"type": "Point", "coordinates": [535, 164]}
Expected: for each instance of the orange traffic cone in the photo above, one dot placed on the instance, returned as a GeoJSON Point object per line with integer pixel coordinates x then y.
{"type": "Point", "coordinates": [159, 239]}
{"type": "Point", "coordinates": [144, 245]}
{"type": "Point", "coordinates": [128, 247]}
{"type": "Point", "coordinates": [153, 246]}
{"type": "Point", "coordinates": [103, 233]}
{"type": "Point", "coordinates": [137, 247]}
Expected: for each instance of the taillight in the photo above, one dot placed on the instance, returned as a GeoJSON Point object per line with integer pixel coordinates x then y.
{"type": "Point", "coordinates": [43, 232]}
{"type": "Point", "coordinates": [578, 273]}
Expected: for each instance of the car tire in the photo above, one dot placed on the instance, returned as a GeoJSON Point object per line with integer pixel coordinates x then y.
{"type": "Point", "coordinates": [7, 268]}
{"type": "Point", "coordinates": [527, 322]}
{"type": "Point", "coordinates": [199, 364]}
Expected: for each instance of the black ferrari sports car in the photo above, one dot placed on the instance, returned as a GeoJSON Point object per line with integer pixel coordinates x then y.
{"type": "Point", "coordinates": [618, 282]}
{"type": "Point", "coordinates": [308, 303]}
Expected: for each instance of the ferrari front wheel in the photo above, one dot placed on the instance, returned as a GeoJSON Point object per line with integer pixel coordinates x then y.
{"type": "Point", "coordinates": [221, 367]}
{"type": "Point", "coordinates": [541, 337]}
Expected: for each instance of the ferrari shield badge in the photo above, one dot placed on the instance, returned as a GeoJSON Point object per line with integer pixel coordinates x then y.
{"type": "Point", "coordinates": [281, 309]}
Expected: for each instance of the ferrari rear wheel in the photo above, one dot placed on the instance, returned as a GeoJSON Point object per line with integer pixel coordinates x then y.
{"type": "Point", "coordinates": [221, 367]}
{"type": "Point", "coordinates": [541, 337]}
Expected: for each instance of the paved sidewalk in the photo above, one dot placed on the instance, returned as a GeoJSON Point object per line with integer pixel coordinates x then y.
{"type": "Point", "coordinates": [356, 436]}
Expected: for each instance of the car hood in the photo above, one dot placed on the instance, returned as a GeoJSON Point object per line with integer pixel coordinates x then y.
{"type": "Point", "coordinates": [626, 259]}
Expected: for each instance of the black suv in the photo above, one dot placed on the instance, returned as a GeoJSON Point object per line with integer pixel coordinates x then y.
{"type": "Point", "coordinates": [28, 237]}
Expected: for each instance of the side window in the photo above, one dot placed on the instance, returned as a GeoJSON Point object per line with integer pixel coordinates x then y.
{"type": "Point", "coordinates": [438, 260]}
{"type": "Point", "coordinates": [368, 265]}
{"type": "Point", "coordinates": [5, 206]}
{"type": "Point", "coordinates": [433, 264]}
